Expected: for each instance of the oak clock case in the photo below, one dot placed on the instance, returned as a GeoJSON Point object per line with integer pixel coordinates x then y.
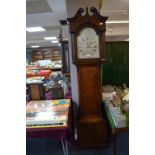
{"type": "Point", "coordinates": [88, 53]}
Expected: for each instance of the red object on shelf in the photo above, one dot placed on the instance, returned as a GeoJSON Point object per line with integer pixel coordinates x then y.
{"type": "Point", "coordinates": [44, 73]}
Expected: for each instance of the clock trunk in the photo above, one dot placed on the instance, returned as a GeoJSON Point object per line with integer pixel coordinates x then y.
{"type": "Point", "coordinates": [91, 125]}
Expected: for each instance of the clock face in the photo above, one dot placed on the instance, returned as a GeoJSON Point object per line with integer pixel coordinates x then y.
{"type": "Point", "coordinates": [88, 44]}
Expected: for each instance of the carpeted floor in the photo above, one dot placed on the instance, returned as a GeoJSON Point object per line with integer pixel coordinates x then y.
{"type": "Point", "coordinates": [44, 146]}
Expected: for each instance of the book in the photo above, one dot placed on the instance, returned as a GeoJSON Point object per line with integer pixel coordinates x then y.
{"type": "Point", "coordinates": [47, 113]}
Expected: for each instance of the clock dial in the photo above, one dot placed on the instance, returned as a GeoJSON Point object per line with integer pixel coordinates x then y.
{"type": "Point", "coordinates": [88, 44]}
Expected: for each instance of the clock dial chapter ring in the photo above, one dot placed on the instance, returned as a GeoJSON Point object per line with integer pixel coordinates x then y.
{"type": "Point", "coordinates": [88, 44]}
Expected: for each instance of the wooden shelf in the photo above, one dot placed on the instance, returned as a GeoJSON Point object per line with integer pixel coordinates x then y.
{"type": "Point", "coordinates": [53, 54]}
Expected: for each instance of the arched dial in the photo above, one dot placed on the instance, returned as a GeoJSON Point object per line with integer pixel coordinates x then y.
{"type": "Point", "coordinates": [88, 44]}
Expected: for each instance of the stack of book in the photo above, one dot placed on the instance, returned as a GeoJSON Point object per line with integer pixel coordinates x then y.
{"type": "Point", "coordinates": [47, 113]}
{"type": "Point", "coordinates": [118, 118]}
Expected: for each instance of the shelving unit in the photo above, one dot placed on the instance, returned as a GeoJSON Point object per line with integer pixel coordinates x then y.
{"type": "Point", "coordinates": [53, 54]}
{"type": "Point", "coordinates": [56, 55]}
{"type": "Point", "coordinates": [37, 56]}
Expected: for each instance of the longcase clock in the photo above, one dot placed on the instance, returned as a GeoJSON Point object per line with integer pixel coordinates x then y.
{"type": "Point", "coordinates": [88, 53]}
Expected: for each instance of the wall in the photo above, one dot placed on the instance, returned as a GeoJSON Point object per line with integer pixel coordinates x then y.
{"type": "Point", "coordinates": [28, 56]}
{"type": "Point", "coordinates": [116, 68]}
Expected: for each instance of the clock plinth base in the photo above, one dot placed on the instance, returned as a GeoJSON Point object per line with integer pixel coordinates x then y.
{"type": "Point", "coordinates": [92, 132]}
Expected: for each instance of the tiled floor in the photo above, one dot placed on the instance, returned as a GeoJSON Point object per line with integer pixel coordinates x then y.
{"type": "Point", "coordinates": [53, 147]}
